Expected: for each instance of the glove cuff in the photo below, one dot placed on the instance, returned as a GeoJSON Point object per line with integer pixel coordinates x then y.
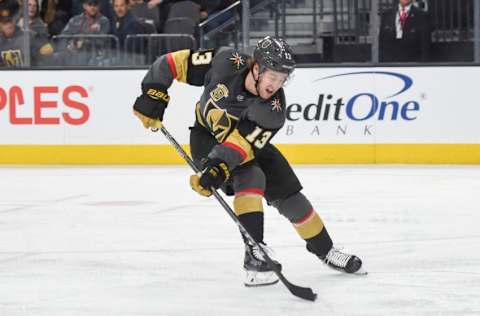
{"type": "Point", "coordinates": [152, 109]}
{"type": "Point", "coordinates": [219, 163]}
{"type": "Point", "coordinates": [215, 173]}
{"type": "Point", "coordinates": [224, 167]}
{"type": "Point", "coordinates": [156, 92]}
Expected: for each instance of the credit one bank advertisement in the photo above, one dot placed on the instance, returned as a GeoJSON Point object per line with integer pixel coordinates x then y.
{"type": "Point", "coordinates": [324, 106]}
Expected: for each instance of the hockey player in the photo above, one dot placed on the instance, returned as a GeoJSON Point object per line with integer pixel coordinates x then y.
{"type": "Point", "coordinates": [242, 107]}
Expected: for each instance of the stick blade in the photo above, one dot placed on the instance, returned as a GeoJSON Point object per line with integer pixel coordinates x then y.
{"type": "Point", "coordinates": [303, 292]}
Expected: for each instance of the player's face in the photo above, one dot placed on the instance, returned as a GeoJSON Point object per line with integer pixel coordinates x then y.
{"type": "Point", "coordinates": [405, 2]}
{"type": "Point", "coordinates": [269, 82]}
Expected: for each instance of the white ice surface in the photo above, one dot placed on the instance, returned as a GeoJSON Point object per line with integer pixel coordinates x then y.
{"type": "Point", "coordinates": [138, 241]}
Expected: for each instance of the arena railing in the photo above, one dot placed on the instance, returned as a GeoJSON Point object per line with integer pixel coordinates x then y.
{"type": "Point", "coordinates": [234, 10]}
{"type": "Point", "coordinates": [86, 50]}
{"type": "Point", "coordinates": [455, 27]}
{"type": "Point", "coordinates": [455, 21]}
{"type": "Point", "coordinates": [143, 49]}
{"type": "Point", "coordinates": [82, 50]}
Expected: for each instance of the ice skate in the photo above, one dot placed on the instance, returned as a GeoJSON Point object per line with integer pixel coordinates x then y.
{"type": "Point", "coordinates": [344, 262]}
{"type": "Point", "coordinates": [258, 271]}
{"type": "Point", "coordinates": [341, 261]}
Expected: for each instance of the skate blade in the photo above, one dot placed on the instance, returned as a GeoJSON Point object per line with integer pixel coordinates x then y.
{"type": "Point", "coordinates": [255, 278]}
{"type": "Point", "coordinates": [360, 272]}
{"type": "Point", "coordinates": [261, 284]}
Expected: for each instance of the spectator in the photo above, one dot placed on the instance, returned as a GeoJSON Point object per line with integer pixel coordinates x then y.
{"type": "Point", "coordinates": [12, 50]}
{"type": "Point", "coordinates": [35, 23]}
{"type": "Point", "coordinates": [153, 3]}
{"type": "Point", "coordinates": [10, 5]}
{"type": "Point", "coordinates": [91, 21]}
{"type": "Point", "coordinates": [124, 22]}
{"type": "Point", "coordinates": [104, 5]}
{"type": "Point", "coordinates": [56, 14]}
{"type": "Point", "coordinates": [86, 50]}
{"type": "Point", "coordinates": [404, 34]}
{"type": "Point", "coordinates": [146, 14]}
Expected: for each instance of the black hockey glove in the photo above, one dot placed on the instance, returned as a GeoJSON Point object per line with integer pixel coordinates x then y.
{"type": "Point", "coordinates": [150, 106]}
{"type": "Point", "coordinates": [213, 175]}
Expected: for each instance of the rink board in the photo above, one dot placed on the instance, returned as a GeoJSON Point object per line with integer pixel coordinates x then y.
{"type": "Point", "coordinates": [334, 115]}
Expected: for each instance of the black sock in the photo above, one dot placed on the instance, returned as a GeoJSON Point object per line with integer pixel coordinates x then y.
{"type": "Point", "coordinates": [320, 244]}
{"type": "Point", "coordinates": [253, 223]}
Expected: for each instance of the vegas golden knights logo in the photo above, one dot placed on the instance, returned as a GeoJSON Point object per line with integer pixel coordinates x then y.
{"type": "Point", "coordinates": [12, 58]}
{"type": "Point", "coordinates": [218, 119]}
{"type": "Point", "coordinates": [219, 122]}
{"type": "Point", "coordinates": [219, 92]}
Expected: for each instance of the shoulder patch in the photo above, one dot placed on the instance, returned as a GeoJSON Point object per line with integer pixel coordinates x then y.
{"type": "Point", "coordinates": [237, 60]}
{"type": "Point", "coordinates": [276, 104]}
{"type": "Point", "coordinates": [221, 91]}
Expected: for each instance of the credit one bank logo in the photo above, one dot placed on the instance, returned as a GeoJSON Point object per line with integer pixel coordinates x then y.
{"type": "Point", "coordinates": [362, 106]}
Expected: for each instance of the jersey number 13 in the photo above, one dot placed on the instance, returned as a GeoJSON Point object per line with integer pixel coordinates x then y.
{"type": "Point", "coordinates": [259, 137]}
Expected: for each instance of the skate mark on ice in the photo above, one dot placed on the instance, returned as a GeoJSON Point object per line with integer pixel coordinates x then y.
{"type": "Point", "coordinates": [467, 237]}
{"type": "Point", "coordinates": [119, 203]}
{"type": "Point", "coordinates": [119, 251]}
{"type": "Point", "coordinates": [182, 207]}
{"type": "Point", "coordinates": [41, 203]}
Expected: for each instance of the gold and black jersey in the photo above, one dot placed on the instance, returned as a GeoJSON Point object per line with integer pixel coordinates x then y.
{"type": "Point", "coordinates": [12, 49]}
{"type": "Point", "coordinates": [240, 121]}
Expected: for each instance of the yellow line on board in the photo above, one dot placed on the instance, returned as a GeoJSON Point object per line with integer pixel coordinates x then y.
{"type": "Point", "coordinates": [295, 153]}
{"type": "Point", "coordinates": [382, 153]}
{"type": "Point", "coordinates": [89, 154]}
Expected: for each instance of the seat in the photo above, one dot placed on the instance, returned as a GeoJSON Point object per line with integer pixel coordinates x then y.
{"type": "Point", "coordinates": [179, 26]}
{"type": "Point", "coordinates": [148, 26]}
{"type": "Point", "coordinates": [142, 12]}
{"type": "Point", "coordinates": [185, 9]}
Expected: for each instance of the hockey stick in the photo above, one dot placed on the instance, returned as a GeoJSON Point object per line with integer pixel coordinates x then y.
{"type": "Point", "coordinates": [302, 292]}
